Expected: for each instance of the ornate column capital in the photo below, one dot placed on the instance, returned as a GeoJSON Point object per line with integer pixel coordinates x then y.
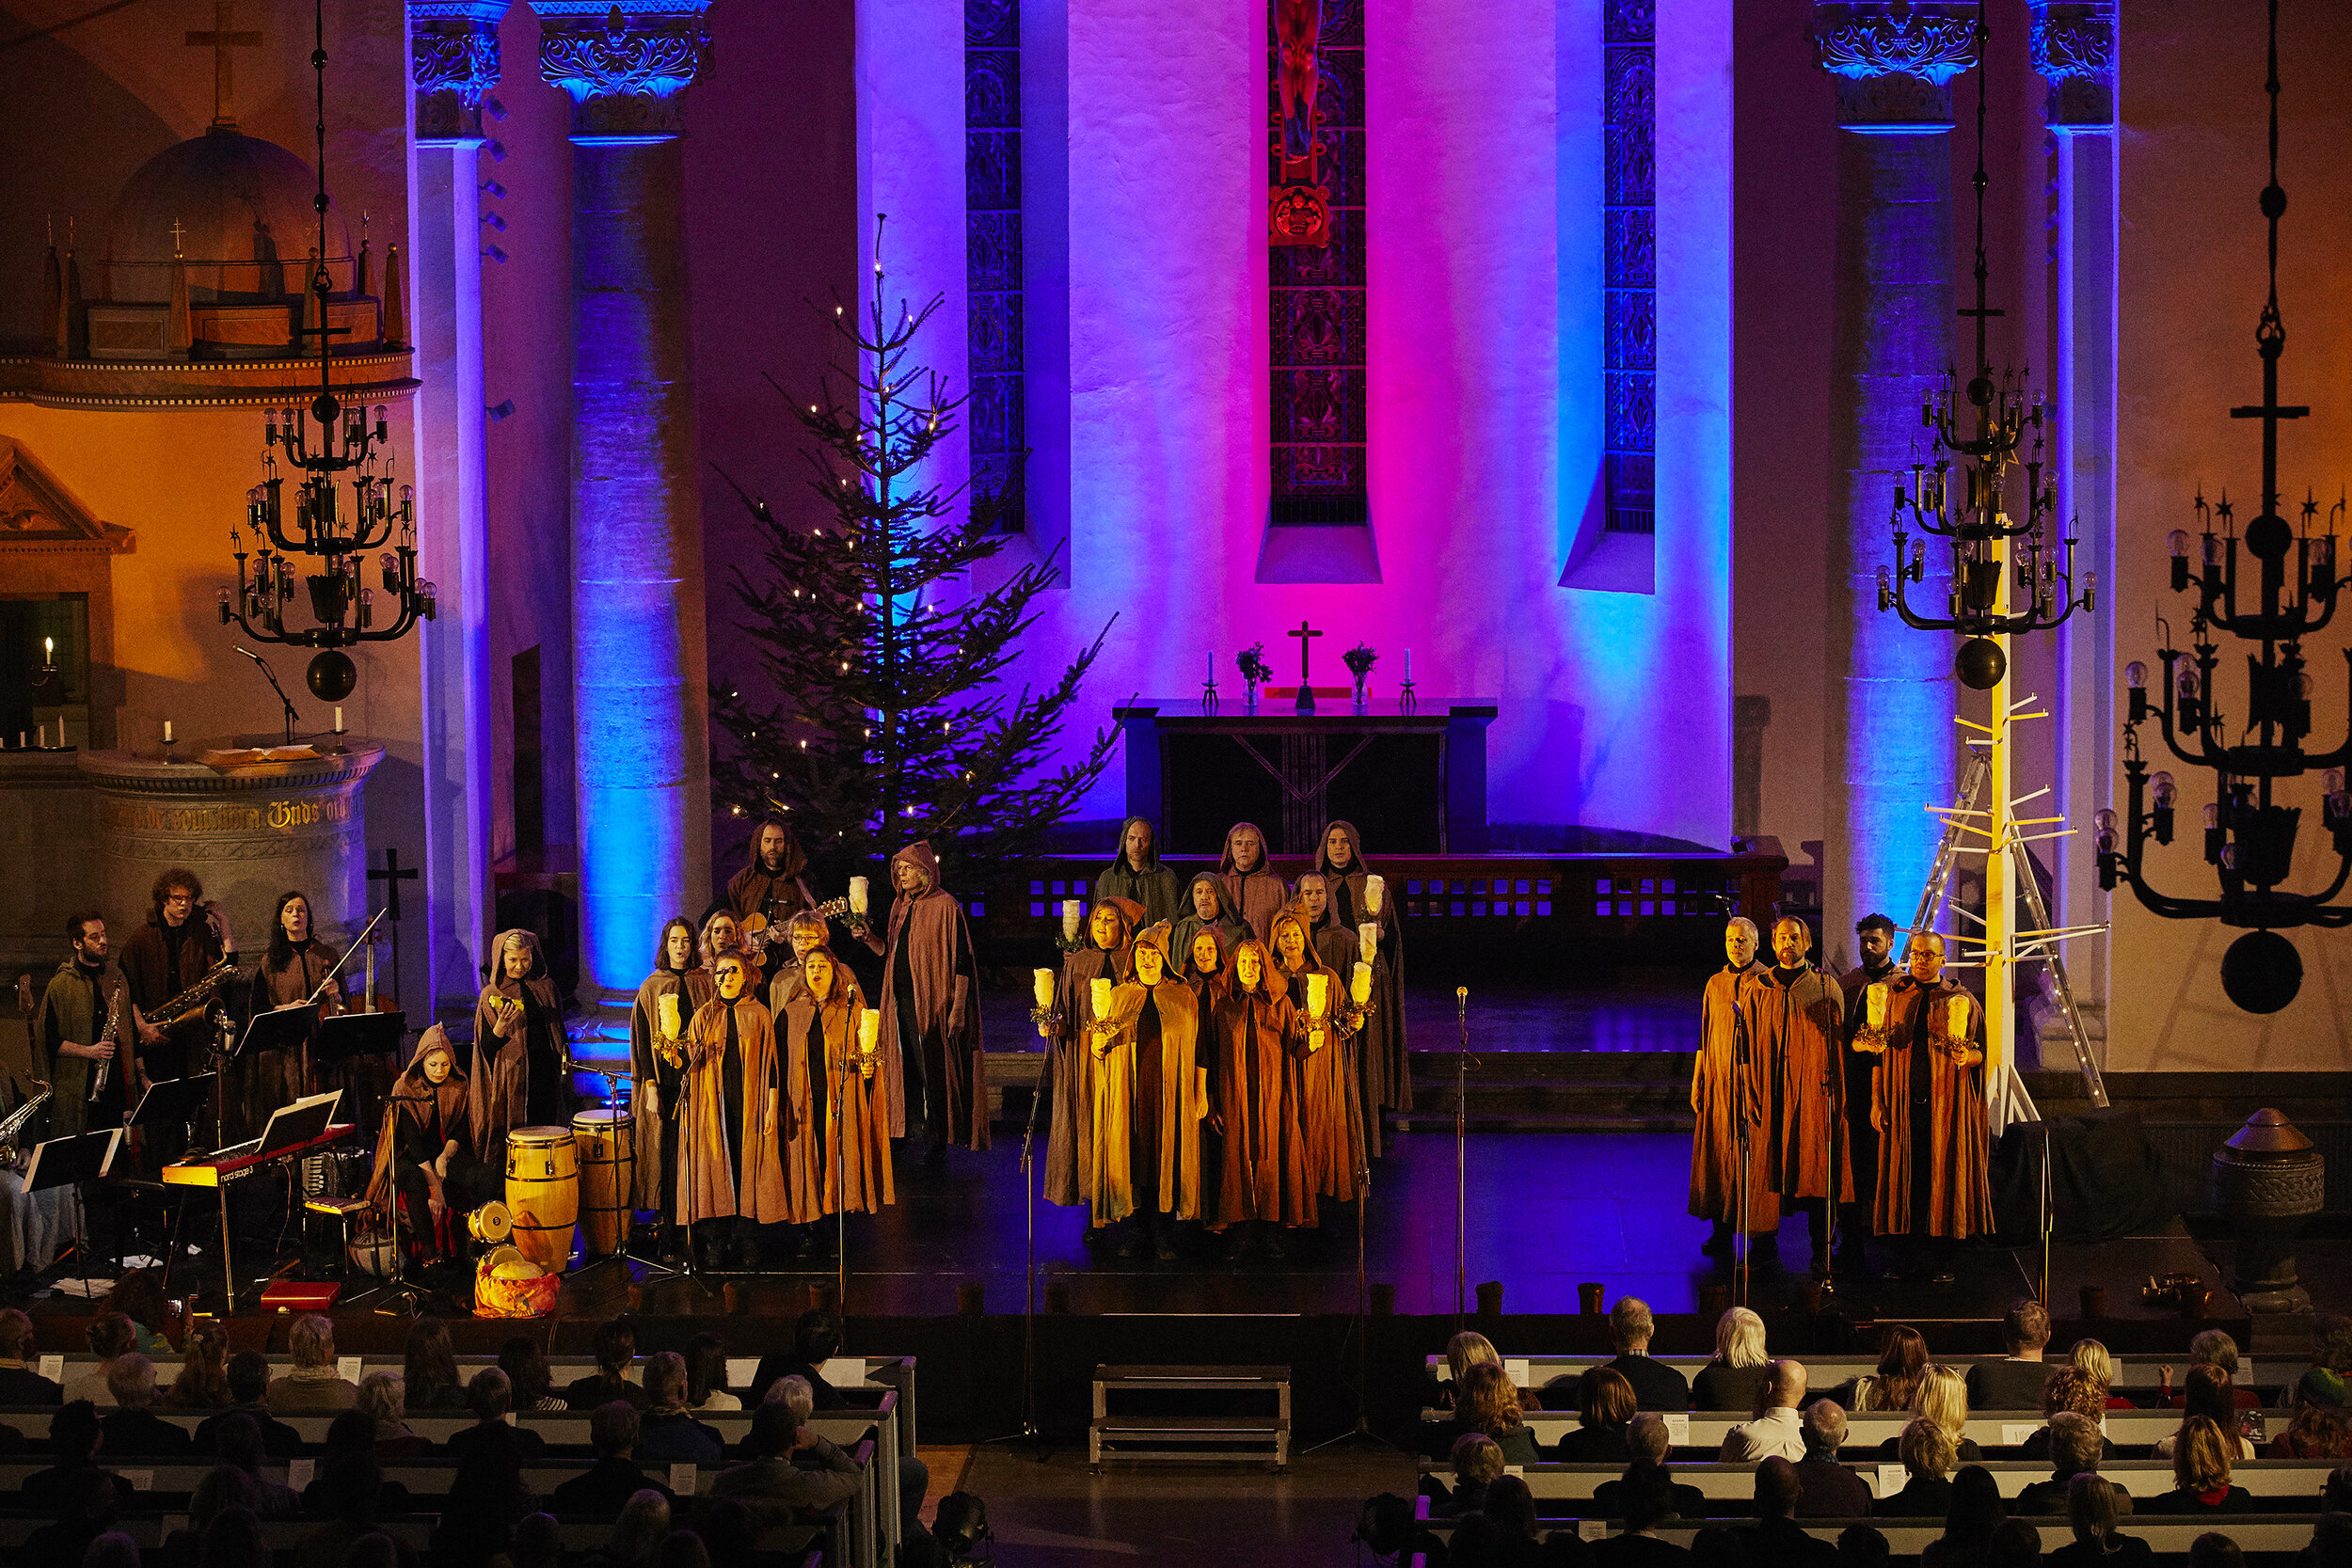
{"type": "Point", "coordinates": [623, 69]}
{"type": "Point", "coordinates": [2074, 51]}
{"type": "Point", "coordinates": [1895, 64]}
{"type": "Point", "coordinates": [452, 60]}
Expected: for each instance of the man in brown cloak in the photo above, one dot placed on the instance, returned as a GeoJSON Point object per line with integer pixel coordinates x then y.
{"type": "Point", "coordinates": [1795, 1015]}
{"type": "Point", "coordinates": [1252, 889]}
{"type": "Point", "coordinates": [1874, 936]}
{"type": "Point", "coordinates": [1384, 1076]}
{"type": "Point", "coordinates": [1927, 1101]}
{"type": "Point", "coordinates": [930, 1015]}
{"type": "Point", "coordinates": [773, 884]}
{"type": "Point", "coordinates": [1727, 1096]}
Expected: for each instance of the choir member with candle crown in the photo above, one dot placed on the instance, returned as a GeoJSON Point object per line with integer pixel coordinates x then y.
{"type": "Point", "coordinates": [934, 1075]}
{"type": "Point", "coordinates": [1329, 1121]}
{"type": "Point", "coordinates": [739, 1113]}
{"type": "Point", "coordinates": [1150, 1095]}
{"type": "Point", "coordinates": [842, 1148]}
{"type": "Point", "coordinates": [1927, 1103]}
{"type": "Point", "coordinates": [1137, 875]}
{"type": "Point", "coordinates": [1253, 891]}
{"type": "Point", "coordinates": [1263, 1180]}
{"type": "Point", "coordinates": [1383, 1076]}
{"type": "Point", "coordinates": [1107, 955]}
{"type": "Point", "coordinates": [1729, 1097]}
{"type": "Point", "coordinates": [666, 1003]}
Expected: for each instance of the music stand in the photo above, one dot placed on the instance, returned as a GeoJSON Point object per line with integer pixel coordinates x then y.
{"type": "Point", "coordinates": [172, 1103]}
{"type": "Point", "coordinates": [348, 1034]}
{"type": "Point", "coordinates": [68, 1162]}
{"type": "Point", "coordinates": [287, 1028]}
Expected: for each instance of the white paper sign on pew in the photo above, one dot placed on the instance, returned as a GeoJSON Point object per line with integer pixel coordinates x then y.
{"type": "Point", "coordinates": [348, 1367]}
{"type": "Point", "coordinates": [1516, 1372]}
{"type": "Point", "coordinates": [2015, 1432]}
{"type": "Point", "coordinates": [301, 1472]}
{"type": "Point", "coordinates": [1592, 1529]}
{"type": "Point", "coordinates": [740, 1370]}
{"type": "Point", "coordinates": [53, 1368]}
{"type": "Point", "coordinates": [682, 1478]}
{"type": "Point", "coordinates": [1678, 1429]}
{"type": "Point", "coordinates": [1892, 1479]}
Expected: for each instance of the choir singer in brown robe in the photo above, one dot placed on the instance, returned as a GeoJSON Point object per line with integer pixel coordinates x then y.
{"type": "Point", "coordinates": [1327, 1114]}
{"type": "Point", "coordinates": [1796, 1015]}
{"type": "Point", "coordinates": [655, 1082]}
{"type": "Point", "coordinates": [848, 1142]}
{"type": "Point", "coordinates": [931, 1010]}
{"type": "Point", "coordinates": [1150, 1095]}
{"type": "Point", "coordinates": [1262, 1174]}
{"type": "Point", "coordinates": [519, 1047]}
{"type": "Point", "coordinates": [296, 964]}
{"type": "Point", "coordinates": [1383, 1071]}
{"type": "Point", "coordinates": [1070, 1141]}
{"type": "Point", "coordinates": [1727, 1096]}
{"type": "Point", "coordinates": [1927, 1101]}
{"type": "Point", "coordinates": [739, 1113]}
{"type": "Point", "coordinates": [1252, 889]}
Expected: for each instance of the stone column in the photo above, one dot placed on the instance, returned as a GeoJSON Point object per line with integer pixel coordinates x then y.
{"type": "Point", "coordinates": [453, 59]}
{"type": "Point", "coordinates": [2075, 48]}
{"type": "Point", "coordinates": [1892, 335]}
{"type": "Point", "coordinates": [638, 692]}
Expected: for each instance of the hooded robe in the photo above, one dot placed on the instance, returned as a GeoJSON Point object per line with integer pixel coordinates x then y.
{"type": "Point", "coordinates": [1384, 1080]}
{"type": "Point", "coordinates": [1799, 1032]}
{"type": "Point", "coordinates": [1229, 928]}
{"type": "Point", "coordinates": [776, 896]}
{"type": "Point", "coordinates": [930, 1015]}
{"type": "Point", "coordinates": [518, 1080]}
{"type": "Point", "coordinates": [424, 1118]}
{"type": "Point", "coordinates": [1150, 1096]}
{"type": "Point", "coordinates": [265, 1080]}
{"type": "Point", "coordinates": [846, 1140]}
{"type": "Point", "coordinates": [1157, 887]}
{"type": "Point", "coordinates": [654, 1083]}
{"type": "Point", "coordinates": [1861, 1137]}
{"type": "Point", "coordinates": [1927, 1101]}
{"type": "Point", "coordinates": [1727, 1095]}
{"type": "Point", "coordinates": [1068, 1143]}
{"type": "Point", "coordinates": [1258, 895]}
{"type": "Point", "coordinates": [1262, 1164]}
{"type": "Point", "coordinates": [739, 1113]}
{"type": "Point", "coordinates": [1329, 1117]}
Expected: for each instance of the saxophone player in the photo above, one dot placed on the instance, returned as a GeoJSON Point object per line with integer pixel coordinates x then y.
{"type": "Point", "coordinates": [173, 951]}
{"type": "Point", "coordinates": [85, 1019]}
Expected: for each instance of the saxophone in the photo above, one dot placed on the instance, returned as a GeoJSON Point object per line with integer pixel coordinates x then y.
{"type": "Point", "coordinates": [196, 998]}
{"type": "Point", "coordinates": [14, 1126]}
{"type": "Point", "coordinates": [114, 1021]}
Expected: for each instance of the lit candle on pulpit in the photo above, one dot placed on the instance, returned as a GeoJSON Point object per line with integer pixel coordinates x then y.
{"type": "Point", "coordinates": [339, 721]}
{"type": "Point", "coordinates": [49, 651]}
{"type": "Point", "coordinates": [166, 732]}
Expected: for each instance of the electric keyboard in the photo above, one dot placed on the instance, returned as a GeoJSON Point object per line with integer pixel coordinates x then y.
{"type": "Point", "coordinates": [241, 1160]}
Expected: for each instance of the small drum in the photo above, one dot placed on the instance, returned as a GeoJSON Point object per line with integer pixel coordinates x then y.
{"type": "Point", "coordinates": [508, 1285]}
{"type": "Point", "coordinates": [543, 1194]}
{"type": "Point", "coordinates": [607, 1179]}
{"type": "Point", "coordinates": [489, 1224]}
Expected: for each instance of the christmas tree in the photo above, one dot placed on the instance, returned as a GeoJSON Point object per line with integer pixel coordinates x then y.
{"type": "Point", "coordinates": [893, 720]}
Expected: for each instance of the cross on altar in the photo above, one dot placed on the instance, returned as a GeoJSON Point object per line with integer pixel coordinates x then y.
{"type": "Point", "coordinates": [220, 41]}
{"type": "Point", "coordinates": [1305, 689]}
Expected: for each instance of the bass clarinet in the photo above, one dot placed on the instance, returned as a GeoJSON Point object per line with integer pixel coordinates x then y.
{"type": "Point", "coordinates": [114, 1020]}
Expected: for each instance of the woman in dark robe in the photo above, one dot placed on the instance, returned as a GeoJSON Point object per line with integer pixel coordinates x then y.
{"type": "Point", "coordinates": [845, 1139]}
{"type": "Point", "coordinates": [295, 964]}
{"type": "Point", "coordinates": [655, 1084]}
{"type": "Point", "coordinates": [1206, 907]}
{"type": "Point", "coordinates": [1263, 1166]}
{"type": "Point", "coordinates": [1252, 889]}
{"type": "Point", "coordinates": [930, 1013]}
{"type": "Point", "coordinates": [426, 1150]}
{"type": "Point", "coordinates": [738, 1117]}
{"type": "Point", "coordinates": [519, 1047]}
{"type": "Point", "coordinates": [1137, 874]}
{"type": "Point", "coordinates": [1327, 1117]}
{"type": "Point", "coordinates": [1068, 1143]}
{"type": "Point", "coordinates": [1383, 1068]}
{"type": "Point", "coordinates": [1150, 1095]}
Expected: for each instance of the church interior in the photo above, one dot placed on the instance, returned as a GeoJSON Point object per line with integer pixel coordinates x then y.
{"type": "Point", "coordinates": [1470, 426]}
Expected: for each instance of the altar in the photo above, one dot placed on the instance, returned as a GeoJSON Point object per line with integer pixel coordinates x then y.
{"type": "Point", "coordinates": [1413, 779]}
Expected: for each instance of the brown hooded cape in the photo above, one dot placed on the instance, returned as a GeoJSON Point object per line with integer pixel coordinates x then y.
{"type": "Point", "coordinates": [264, 1080]}
{"type": "Point", "coordinates": [501, 1076]}
{"type": "Point", "coordinates": [1155, 888]}
{"type": "Point", "coordinates": [1383, 1069]}
{"type": "Point", "coordinates": [1257, 894]}
{"type": "Point", "coordinates": [1070, 1141]}
{"type": "Point", "coordinates": [1927, 1101]}
{"type": "Point", "coordinates": [851, 1150]}
{"type": "Point", "coordinates": [930, 930]}
{"type": "Point", "coordinates": [1799, 1036]}
{"type": "Point", "coordinates": [413, 1102]}
{"type": "Point", "coordinates": [778, 896]}
{"type": "Point", "coordinates": [1180, 1106]}
{"type": "Point", "coordinates": [708, 1189]}
{"type": "Point", "coordinates": [1725, 1096]}
{"type": "Point", "coordinates": [652, 1081]}
{"type": "Point", "coordinates": [1229, 926]}
{"type": "Point", "coordinates": [1329, 1117]}
{"type": "Point", "coordinates": [1262, 1164]}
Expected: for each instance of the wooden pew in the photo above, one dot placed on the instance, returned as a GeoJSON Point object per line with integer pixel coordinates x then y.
{"type": "Point", "coordinates": [1989, 1429]}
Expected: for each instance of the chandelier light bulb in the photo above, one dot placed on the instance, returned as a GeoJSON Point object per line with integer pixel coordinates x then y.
{"type": "Point", "coordinates": [2136, 676]}
{"type": "Point", "coordinates": [2186, 682]}
{"type": "Point", "coordinates": [2213, 816]}
{"type": "Point", "coordinates": [2332, 782]}
{"type": "Point", "coordinates": [2166, 791]}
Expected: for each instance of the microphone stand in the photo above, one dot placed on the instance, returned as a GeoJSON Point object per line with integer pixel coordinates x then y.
{"type": "Point", "coordinates": [628, 1202]}
{"type": "Point", "coordinates": [1031, 1431]}
{"type": "Point", "coordinates": [1741, 1064]}
{"type": "Point", "coordinates": [396, 1282]}
{"type": "Point", "coordinates": [1361, 1328]}
{"type": "Point", "coordinates": [292, 717]}
{"type": "Point", "coordinates": [1461, 1158]}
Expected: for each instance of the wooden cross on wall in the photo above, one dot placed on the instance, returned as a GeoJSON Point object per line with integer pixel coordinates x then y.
{"type": "Point", "coordinates": [391, 876]}
{"type": "Point", "coordinates": [221, 39]}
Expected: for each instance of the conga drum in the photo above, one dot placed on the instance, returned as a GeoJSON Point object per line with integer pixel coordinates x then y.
{"type": "Point", "coordinates": [543, 1194]}
{"type": "Point", "coordinates": [607, 1179]}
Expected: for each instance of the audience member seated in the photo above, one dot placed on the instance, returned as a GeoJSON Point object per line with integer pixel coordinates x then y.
{"type": "Point", "coordinates": [232, 1540]}
{"type": "Point", "coordinates": [2074, 1446]}
{"type": "Point", "coordinates": [775, 1483]}
{"type": "Point", "coordinates": [612, 1427]}
{"type": "Point", "coordinates": [2090, 1358]}
{"type": "Point", "coordinates": [1928, 1456]}
{"type": "Point", "coordinates": [1776, 1430]}
{"type": "Point", "coordinates": [2067, 1389]}
{"type": "Point", "coordinates": [1648, 1439]}
{"type": "Point", "coordinates": [133, 1429]}
{"type": "Point", "coordinates": [489, 1396]}
{"type": "Point", "coordinates": [1941, 1396]}
{"type": "Point", "coordinates": [682, 1548]}
{"type": "Point", "coordinates": [1778, 1540]}
{"type": "Point", "coordinates": [380, 1550]}
{"type": "Point", "coordinates": [728, 1528]}
{"type": "Point", "coordinates": [2214, 1549]}
{"type": "Point", "coordinates": [1656, 1386]}
{"type": "Point", "coordinates": [139, 1296]}
{"type": "Point", "coordinates": [1510, 1518]}
{"type": "Point", "coordinates": [74, 1435]}
{"type": "Point", "coordinates": [816, 1339]}
{"type": "Point", "coordinates": [1484, 1402]}
{"type": "Point", "coordinates": [2317, 1425]}
{"type": "Point", "coordinates": [1862, 1546]}
{"type": "Point", "coordinates": [666, 1434]}
{"type": "Point", "coordinates": [109, 1335]}
{"type": "Point", "coordinates": [1831, 1490]}
{"type": "Point", "coordinates": [237, 1440]}
{"type": "Point", "coordinates": [1476, 1463]}
{"type": "Point", "coordinates": [113, 1549]}
{"type": "Point", "coordinates": [350, 1486]}
{"type": "Point", "coordinates": [1604, 1404]}
{"type": "Point", "coordinates": [19, 1382]}
{"type": "Point", "coordinates": [529, 1374]}
{"type": "Point", "coordinates": [707, 1374]}
{"type": "Point", "coordinates": [2015, 1545]}
{"type": "Point", "coordinates": [2216, 1350]}
{"type": "Point", "coordinates": [86, 1507]}
{"type": "Point", "coordinates": [2200, 1473]}
{"type": "Point", "coordinates": [313, 1384]}
{"type": "Point", "coordinates": [2210, 1395]}
{"type": "Point", "coordinates": [248, 1396]}
{"type": "Point", "coordinates": [1646, 1501]}
{"type": "Point", "coordinates": [636, 1534]}
{"type": "Point", "coordinates": [383, 1401]}
{"type": "Point", "coordinates": [1892, 1388]}
{"type": "Point", "coordinates": [429, 1380]}
{"type": "Point", "coordinates": [616, 1348]}
{"type": "Point", "coordinates": [539, 1542]}
{"type": "Point", "coordinates": [2331, 1541]}
{"type": "Point", "coordinates": [352, 1431]}
{"type": "Point", "coordinates": [487, 1496]}
{"type": "Point", "coordinates": [2015, 1383]}
{"type": "Point", "coordinates": [203, 1380]}
{"type": "Point", "coordinates": [1734, 1376]}
{"type": "Point", "coordinates": [1975, 1513]}
{"type": "Point", "coordinates": [914, 1476]}
{"type": "Point", "coordinates": [1465, 1350]}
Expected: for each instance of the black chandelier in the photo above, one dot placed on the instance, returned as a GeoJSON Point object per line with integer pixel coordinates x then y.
{"type": "Point", "coordinates": [2250, 839]}
{"type": "Point", "coordinates": [1975, 519]}
{"type": "Point", "coordinates": [350, 441]}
